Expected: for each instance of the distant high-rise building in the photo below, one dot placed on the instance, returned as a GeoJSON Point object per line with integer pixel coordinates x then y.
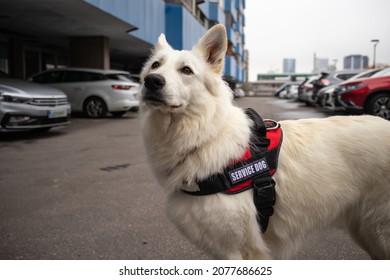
{"type": "Point", "coordinates": [289, 65]}
{"type": "Point", "coordinates": [355, 62]}
{"type": "Point", "coordinates": [320, 64]}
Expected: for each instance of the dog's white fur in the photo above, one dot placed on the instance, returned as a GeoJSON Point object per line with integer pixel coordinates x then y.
{"type": "Point", "coordinates": [330, 170]}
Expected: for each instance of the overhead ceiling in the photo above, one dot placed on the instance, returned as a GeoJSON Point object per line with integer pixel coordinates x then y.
{"type": "Point", "coordinates": [52, 22]}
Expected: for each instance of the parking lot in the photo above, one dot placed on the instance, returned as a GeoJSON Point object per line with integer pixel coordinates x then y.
{"type": "Point", "coordinates": [86, 192]}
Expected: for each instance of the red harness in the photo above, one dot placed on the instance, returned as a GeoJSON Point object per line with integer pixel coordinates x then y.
{"type": "Point", "coordinates": [274, 135]}
{"type": "Point", "coordinates": [253, 170]}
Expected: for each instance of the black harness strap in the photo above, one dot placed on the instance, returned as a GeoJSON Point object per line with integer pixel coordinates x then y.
{"type": "Point", "coordinates": [264, 195]}
{"type": "Point", "coordinates": [220, 182]}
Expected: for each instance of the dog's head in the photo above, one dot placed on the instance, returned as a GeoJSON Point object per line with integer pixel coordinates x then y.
{"type": "Point", "coordinates": [174, 80]}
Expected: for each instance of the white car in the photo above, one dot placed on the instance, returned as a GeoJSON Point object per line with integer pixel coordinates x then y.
{"type": "Point", "coordinates": [93, 91]}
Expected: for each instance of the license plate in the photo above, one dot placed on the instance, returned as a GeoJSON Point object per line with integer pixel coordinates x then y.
{"type": "Point", "coordinates": [52, 114]}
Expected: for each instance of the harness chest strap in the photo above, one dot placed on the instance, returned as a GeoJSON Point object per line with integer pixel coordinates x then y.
{"type": "Point", "coordinates": [253, 170]}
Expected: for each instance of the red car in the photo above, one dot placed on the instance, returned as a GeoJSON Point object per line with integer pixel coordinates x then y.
{"type": "Point", "coordinates": [368, 95]}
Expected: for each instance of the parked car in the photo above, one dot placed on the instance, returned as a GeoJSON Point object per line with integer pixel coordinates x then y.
{"type": "Point", "coordinates": [326, 97]}
{"type": "Point", "coordinates": [305, 89]}
{"type": "Point", "coordinates": [238, 92]}
{"type": "Point", "coordinates": [339, 76]}
{"type": "Point", "coordinates": [290, 92]}
{"type": "Point", "coordinates": [368, 95]}
{"type": "Point", "coordinates": [284, 88]}
{"type": "Point", "coordinates": [94, 92]}
{"type": "Point", "coordinates": [332, 78]}
{"type": "Point", "coordinates": [28, 106]}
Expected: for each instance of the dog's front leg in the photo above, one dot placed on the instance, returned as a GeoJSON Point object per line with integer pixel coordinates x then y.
{"type": "Point", "coordinates": [258, 255]}
{"type": "Point", "coordinates": [255, 254]}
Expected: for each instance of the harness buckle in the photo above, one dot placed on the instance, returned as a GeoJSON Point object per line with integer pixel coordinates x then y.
{"type": "Point", "coordinates": [264, 197]}
{"type": "Point", "coordinates": [271, 124]}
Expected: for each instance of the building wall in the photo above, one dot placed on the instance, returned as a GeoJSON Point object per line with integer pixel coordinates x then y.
{"type": "Point", "coordinates": [321, 64]}
{"type": "Point", "coordinates": [183, 21]}
{"type": "Point", "coordinates": [355, 62]}
{"type": "Point", "coordinates": [181, 28]}
{"type": "Point", "coordinates": [147, 15]}
{"type": "Point", "coordinates": [98, 52]}
{"type": "Point", "coordinates": [213, 11]}
{"type": "Point", "coordinates": [288, 65]}
{"type": "Point", "coordinates": [236, 67]}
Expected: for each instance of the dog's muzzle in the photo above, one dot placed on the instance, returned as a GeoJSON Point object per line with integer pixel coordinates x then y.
{"type": "Point", "coordinates": [153, 91]}
{"type": "Point", "coordinates": [154, 82]}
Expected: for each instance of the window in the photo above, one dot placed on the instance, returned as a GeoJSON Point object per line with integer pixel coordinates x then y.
{"type": "Point", "coordinates": [90, 77]}
{"type": "Point", "coordinates": [120, 77]}
{"type": "Point", "coordinates": [345, 76]}
{"type": "Point", "coordinates": [51, 77]}
{"type": "Point", "coordinates": [78, 76]}
{"type": "Point", "coordinates": [72, 76]}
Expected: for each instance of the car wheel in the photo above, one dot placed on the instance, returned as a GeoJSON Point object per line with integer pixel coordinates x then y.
{"type": "Point", "coordinates": [95, 107]}
{"type": "Point", "coordinates": [379, 106]}
{"type": "Point", "coordinates": [118, 114]}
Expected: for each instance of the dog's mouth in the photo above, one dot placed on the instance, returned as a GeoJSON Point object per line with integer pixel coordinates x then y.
{"type": "Point", "coordinates": [155, 101]}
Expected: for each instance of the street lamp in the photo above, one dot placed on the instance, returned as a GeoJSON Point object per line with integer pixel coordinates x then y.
{"type": "Point", "coordinates": [375, 41]}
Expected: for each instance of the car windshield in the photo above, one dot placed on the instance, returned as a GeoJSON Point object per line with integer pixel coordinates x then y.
{"type": "Point", "coordinates": [365, 74]}
{"type": "Point", "coordinates": [120, 77]}
{"type": "Point", "coordinates": [384, 72]}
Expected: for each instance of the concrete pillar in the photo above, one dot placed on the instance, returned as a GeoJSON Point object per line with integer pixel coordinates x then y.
{"type": "Point", "coordinates": [90, 52]}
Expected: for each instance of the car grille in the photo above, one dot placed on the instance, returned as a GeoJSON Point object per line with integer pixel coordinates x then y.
{"type": "Point", "coordinates": [34, 121]}
{"type": "Point", "coordinates": [49, 101]}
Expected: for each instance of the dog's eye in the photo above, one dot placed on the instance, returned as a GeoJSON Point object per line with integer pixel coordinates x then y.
{"type": "Point", "coordinates": [186, 70]}
{"type": "Point", "coordinates": [155, 65]}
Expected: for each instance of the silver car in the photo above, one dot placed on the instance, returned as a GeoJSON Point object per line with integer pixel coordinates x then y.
{"type": "Point", "coordinates": [92, 91]}
{"type": "Point", "coordinates": [28, 106]}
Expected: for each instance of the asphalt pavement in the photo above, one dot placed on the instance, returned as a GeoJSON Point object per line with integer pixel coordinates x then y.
{"type": "Point", "coordinates": [86, 192]}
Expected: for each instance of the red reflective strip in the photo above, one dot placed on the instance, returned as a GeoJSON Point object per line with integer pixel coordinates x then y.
{"type": "Point", "coordinates": [274, 136]}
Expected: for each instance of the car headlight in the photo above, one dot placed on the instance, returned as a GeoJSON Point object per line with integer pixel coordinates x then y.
{"type": "Point", "coordinates": [350, 87]}
{"type": "Point", "coordinates": [9, 97]}
{"type": "Point", "coordinates": [329, 91]}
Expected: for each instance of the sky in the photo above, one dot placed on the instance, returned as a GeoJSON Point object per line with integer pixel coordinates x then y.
{"type": "Point", "coordinates": [333, 29]}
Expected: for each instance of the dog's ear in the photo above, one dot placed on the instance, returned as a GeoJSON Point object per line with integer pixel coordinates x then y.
{"type": "Point", "coordinates": [161, 43]}
{"type": "Point", "coordinates": [213, 46]}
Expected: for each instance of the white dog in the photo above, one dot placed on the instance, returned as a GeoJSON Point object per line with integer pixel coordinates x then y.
{"type": "Point", "coordinates": [330, 170]}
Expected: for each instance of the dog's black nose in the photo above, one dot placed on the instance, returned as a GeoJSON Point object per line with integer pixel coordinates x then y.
{"type": "Point", "coordinates": [154, 82]}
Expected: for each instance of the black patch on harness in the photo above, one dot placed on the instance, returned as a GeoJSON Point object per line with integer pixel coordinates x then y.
{"type": "Point", "coordinates": [248, 171]}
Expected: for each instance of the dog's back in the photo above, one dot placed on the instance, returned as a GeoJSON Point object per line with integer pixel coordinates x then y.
{"type": "Point", "coordinates": [330, 169]}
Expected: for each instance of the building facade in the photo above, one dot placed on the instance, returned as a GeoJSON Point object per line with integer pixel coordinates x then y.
{"type": "Point", "coordinates": [289, 65]}
{"type": "Point", "coordinates": [40, 34]}
{"type": "Point", "coordinates": [358, 62]}
{"type": "Point", "coordinates": [320, 64]}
